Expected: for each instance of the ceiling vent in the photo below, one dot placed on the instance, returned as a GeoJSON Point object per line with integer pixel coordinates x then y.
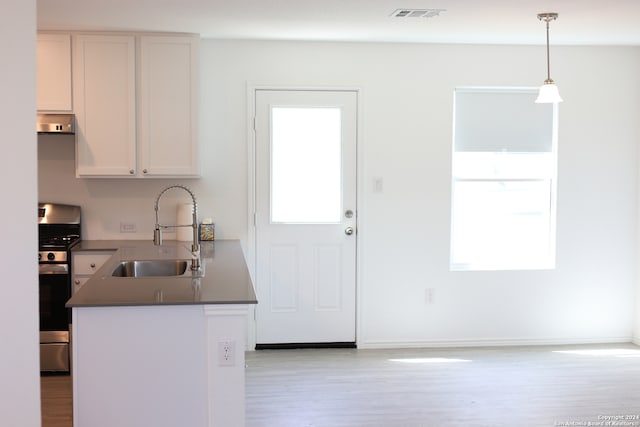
{"type": "Point", "coordinates": [417, 13]}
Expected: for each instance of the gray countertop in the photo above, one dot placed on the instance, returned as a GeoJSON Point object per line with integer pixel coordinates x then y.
{"type": "Point", "coordinates": [224, 278]}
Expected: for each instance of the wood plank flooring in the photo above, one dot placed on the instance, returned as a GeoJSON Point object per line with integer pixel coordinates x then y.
{"type": "Point", "coordinates": [56, 398]}
{"type": "Point", "coordinates": [545, 386]}
{"type": "Point", "coordinates": [532, 386]}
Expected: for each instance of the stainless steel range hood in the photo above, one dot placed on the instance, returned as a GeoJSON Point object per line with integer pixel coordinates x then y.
{"type": "Point", "coordinates": [56, 123]}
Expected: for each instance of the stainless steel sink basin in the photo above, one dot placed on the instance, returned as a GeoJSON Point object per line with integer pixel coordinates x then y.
{"type": "Point", "coordinates": [155, 268]}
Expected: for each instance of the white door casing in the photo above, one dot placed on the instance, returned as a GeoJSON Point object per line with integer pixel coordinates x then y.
{"type": "Point", "coordinates": [305, 250]}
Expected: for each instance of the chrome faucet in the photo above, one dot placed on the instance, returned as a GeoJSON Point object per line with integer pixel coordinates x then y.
{"type": "Point", "coordinates": [157, 232]}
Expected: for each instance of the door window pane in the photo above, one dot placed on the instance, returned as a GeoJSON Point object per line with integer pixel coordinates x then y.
{"type": "Point", "coordinates": [306, 165]}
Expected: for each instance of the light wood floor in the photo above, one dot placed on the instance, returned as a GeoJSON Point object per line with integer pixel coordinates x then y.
{"type": "Point", "coordinates": [492, 387]}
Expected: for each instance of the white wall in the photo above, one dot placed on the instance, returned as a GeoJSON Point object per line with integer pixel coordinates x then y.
{"type": "Point", "coordinates": [636, 329]}
{"type": "Point", "coordinates": [404, 231]}
{"type": "Point", "coordinates": [19, 357]}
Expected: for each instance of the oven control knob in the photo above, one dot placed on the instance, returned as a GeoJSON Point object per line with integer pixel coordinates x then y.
{"type": "Point", "coordinates": [39, 257]}
{"type": "Point", "coordinates": [51, 256]}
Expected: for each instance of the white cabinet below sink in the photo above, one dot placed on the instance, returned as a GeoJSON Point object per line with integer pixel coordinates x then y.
{"type": "Point", "coordinates": [85, 264]}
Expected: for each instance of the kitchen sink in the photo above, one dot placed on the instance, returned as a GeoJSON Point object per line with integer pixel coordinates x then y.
{"type": "Point", "coordinates": [154, 268]}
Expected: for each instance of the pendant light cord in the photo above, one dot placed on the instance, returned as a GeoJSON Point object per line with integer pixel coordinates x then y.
{"type": "Point", "coordinates": [548, 64]}
{"type": "Point", "coordinates": [547, 17]}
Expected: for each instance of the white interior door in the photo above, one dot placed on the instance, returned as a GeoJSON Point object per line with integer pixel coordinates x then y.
{"type": "Point", "coordinates": [305, 216]}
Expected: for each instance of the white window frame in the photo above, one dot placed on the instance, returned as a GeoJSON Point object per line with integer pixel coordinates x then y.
{"type": "Point", "coordinates": [547, 173]}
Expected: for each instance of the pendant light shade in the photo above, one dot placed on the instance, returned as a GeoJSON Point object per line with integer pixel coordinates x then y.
{"type": "Point", "coordinates": [548, 94]}
{"type": "Point", "coordinates": [548, 91]}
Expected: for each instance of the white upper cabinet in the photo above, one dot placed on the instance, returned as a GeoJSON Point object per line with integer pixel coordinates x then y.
{"type": "Point", "coordinates": [136, 105]}
{"type": "Point", "coordinates": [54, 72]}
{"type": "Point", "coordinates": [168, 106]}
{"type": "Point", "coordinates": [104, 97]}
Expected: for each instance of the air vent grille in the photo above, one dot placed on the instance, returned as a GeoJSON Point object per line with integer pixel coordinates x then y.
{"type": "Point", "coordinates": [417, 13]}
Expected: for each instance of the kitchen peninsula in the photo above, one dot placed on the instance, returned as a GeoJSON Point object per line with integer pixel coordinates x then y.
{"type": "Point", "coordinates": [161, 350]}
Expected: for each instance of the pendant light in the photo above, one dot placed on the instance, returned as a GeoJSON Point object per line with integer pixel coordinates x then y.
{"type": "Point", "coordinates": [548, 91]}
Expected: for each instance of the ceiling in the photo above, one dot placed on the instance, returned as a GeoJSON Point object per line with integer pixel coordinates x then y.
{"type": "Point", "coordinates": [580, 22]}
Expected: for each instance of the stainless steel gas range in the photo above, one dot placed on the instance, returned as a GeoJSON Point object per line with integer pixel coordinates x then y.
{"type": "Point", "coordinates": [58, 231]}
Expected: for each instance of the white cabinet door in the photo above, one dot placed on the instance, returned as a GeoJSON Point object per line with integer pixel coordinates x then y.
{"type": "Point", "coordinates": [105, 101]}
{"type": "Point", "coordinates": [54, 72]}
{"type": "Point", "coordinates": [167, 125]}
{"type": "Point", "coordinates": [87, 263]}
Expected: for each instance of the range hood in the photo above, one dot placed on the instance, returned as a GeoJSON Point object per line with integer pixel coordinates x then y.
{"type": "Point", "coordinates": [56, 123]}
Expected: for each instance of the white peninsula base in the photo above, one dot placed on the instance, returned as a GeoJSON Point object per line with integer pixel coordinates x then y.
{"type": "Point", "coordinates": [178, 365]}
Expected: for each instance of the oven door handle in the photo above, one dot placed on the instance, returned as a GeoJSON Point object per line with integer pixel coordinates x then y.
{"type": "Point", "coordinates": [54, 268]}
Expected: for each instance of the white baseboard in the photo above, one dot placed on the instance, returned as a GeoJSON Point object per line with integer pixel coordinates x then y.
{"type": "Point", "coordinates": [373, 344]}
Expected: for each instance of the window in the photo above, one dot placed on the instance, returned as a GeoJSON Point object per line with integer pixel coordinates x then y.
{"type": "Point", "coordinates": [503, 180]}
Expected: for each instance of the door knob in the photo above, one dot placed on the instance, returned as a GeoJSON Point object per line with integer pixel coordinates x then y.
{"type": "Point", "coordinates": [348, 231]}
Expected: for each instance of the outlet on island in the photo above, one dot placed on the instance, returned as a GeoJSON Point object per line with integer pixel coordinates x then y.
{"type": "Point", "coordinates": [226, 353]}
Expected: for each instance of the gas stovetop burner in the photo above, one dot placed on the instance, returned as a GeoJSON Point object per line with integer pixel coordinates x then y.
{"type": "Point", "coordinates": [59, 241]}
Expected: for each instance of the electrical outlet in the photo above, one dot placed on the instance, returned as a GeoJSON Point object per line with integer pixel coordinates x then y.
{"type": "Point", "coordinates": [128, 227]}
{"type": "Point", "coordinates": [226, 353]}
